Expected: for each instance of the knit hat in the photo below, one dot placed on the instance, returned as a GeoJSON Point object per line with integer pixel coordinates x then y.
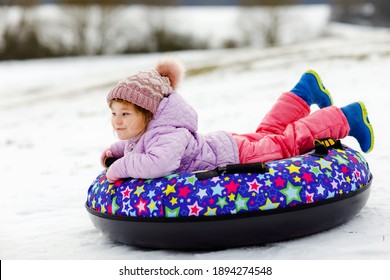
{"type": "Point", "coordinates": [147, 88]}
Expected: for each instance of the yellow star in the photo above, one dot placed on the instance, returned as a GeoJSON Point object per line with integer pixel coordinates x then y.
{"type": "Point", "coordinates": [293, 168]}
{"type": "Point", "coordinates": [231, 196]}
{"type": "Point", "coordinates": [94, 203]}
{"type": "Point", "coordinates": [170, 189]}
{"type": "Point", "coordinates": [297, 179]}
{"type": "Point", "coordinates": [173, 201]}
{"type": "Point", "coordinates": [211, 211]}
{"type": "Point", "coordinates": [152, 206]}
{"type": "Point", "coordinates": [139, 190]}
{"type": "Point", "coordinates": [103, 209]}
{"type": "Point", "coordinates": [324, 163]}
{"type": "Point", "coordinates": [269, 205]}
{"type": "Point", "coordinates": [109, 188]}
{"type": "Point", "coordinates": [271, 171]}
{"type": "Point", "coordinates": [348, 179]}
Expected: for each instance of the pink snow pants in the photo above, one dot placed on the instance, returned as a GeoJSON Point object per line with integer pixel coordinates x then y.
{"type": "Point", "coordinates": [289, 130]}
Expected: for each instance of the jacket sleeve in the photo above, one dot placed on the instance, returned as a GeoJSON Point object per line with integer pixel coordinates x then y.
{"type": "Point", "coordinates": [118, 149]}
{"type": "Point", "coordinates": [162, 156]}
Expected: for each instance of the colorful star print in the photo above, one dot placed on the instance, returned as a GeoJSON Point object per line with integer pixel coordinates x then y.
{"type": "Point", "coordinates": [293, 168]}
{"type": "Point", "coordinates": [232, 187]}
{"type": "Point", "coordinates": [290, 182]}
{"type": "Point", "coordinates": [211, 211]}
{"type": "Point", "coordinates": [269, 205]}
{"type": "Point", "coordinates": [292, 193]}
{"type": "Point", "coordinates": [141, 206]}
{"type": "Point", "coordinates": [241, 203]}
{"type": "Point", "coordinates": [170, 189]}
{"type": "Point", "coordinates": [324, 163]}
{"type": "Point", "coordinates": [254, 186]}
{"type": "Point", "coordinates": [195, 209]}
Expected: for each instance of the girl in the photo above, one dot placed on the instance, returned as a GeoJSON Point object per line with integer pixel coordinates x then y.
{"type": "Point", "coordinates": [158, 128]}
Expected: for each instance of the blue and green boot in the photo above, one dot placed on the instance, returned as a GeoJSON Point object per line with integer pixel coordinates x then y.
{"type": "Point", "coordinates": [360, 127]}
{"type": "Point", "coordinates": [311, 89]}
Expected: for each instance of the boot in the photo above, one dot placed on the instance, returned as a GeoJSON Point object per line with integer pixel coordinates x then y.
{"type": "Point", "coordinates": [360, 127]}
{"type": "Point", "coordinates": [312, 91]}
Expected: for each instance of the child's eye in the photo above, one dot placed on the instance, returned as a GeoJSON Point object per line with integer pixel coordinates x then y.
{"type": "Point", "coordinates": [113, 114]}
{"type": "Point", "coordinates": [125, 114]}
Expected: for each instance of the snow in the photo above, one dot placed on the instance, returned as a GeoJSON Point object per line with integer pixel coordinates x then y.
{"type": "Point", "coordinates": [54, 123]}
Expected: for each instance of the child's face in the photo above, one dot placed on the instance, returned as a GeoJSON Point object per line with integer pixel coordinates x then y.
{"type": "Point", "coordinates": [127, 121]}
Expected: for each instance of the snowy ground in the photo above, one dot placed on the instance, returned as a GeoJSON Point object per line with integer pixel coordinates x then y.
{"type": "Point", "coordinates": [54, 124]}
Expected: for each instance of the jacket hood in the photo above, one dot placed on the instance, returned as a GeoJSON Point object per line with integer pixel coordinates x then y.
{"type": "Point", "coordinates": [174, 111]}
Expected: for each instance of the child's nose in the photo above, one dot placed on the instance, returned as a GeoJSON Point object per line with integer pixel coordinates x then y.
{"type": "Point", "coordinates": [118, 120]}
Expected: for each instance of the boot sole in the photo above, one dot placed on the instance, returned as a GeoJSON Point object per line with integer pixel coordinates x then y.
{"type": "Point", "coordinates": [321, 85]}
{"type": "Point", "coordinates": [368, 125]}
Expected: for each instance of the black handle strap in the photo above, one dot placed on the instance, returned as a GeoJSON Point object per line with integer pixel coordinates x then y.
{"type": "Point", "coordinates": [256, 167]}
{"type": "Point", "coordinates": [108, 161]}
{"type": "Point", "coordinates": [322, 146]}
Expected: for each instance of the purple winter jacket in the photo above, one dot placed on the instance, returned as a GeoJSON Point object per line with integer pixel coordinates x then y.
{"type": "Point", "coordinates": [172, 144]}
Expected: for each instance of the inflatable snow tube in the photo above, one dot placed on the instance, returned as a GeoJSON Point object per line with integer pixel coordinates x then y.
{"type": "Point", "coordinates": [228, 207]}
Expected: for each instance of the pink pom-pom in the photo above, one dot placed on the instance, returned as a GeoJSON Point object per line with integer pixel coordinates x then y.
{"type": "Point", "coordinates": [172, 69]}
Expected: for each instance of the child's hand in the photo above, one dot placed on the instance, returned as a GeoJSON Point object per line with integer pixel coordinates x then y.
{"type": "Point", "coordinates": [107, 153]}
{"type": "Point", "coordinates": [110, 177]}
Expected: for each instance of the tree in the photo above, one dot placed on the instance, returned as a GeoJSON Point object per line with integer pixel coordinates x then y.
{"type": "Point", "coordinates": [20, 36]}
{"type": "Point", "coordinates": [161, 34]}
{"type": "Point", "coordinates": [91, 24]}
{"type": "Point", "coordinates": [373, 12]}
{"type": "Point", "coordinates": [262, 18]}
{"type": "Point", "coordinates": [345, 10]}
{"type": "Point", "coordinates": [382, 12]}
{"type": "Point", "coordinates": [269, 3]}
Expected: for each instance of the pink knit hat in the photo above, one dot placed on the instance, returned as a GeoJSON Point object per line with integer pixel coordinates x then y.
{"type": "Point", "coordinates": [147, 88]}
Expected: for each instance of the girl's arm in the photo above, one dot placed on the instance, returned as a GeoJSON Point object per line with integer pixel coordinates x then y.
{"type": "Point", "coordinates": [118, 149]}
{"type": "Point", "coordinates": [162, 156]}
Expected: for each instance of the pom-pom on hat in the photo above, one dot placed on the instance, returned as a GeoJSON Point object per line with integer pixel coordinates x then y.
{"type": "Point", "coordinates": [147, 88]}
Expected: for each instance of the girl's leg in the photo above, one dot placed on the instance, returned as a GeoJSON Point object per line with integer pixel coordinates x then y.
{"type": "Point", "coordinates": [296, 138]}
{"type": "Point", "coordinates": [287, 109]}
{"type": "Point", "coordinates": [294, 105]}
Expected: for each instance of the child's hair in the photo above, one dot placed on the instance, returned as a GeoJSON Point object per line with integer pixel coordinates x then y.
{"type": "Point", "coordinates": [146, 114]}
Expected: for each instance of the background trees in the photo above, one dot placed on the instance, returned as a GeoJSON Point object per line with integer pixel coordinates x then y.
{"type": "Point", "coordinates": [100, 27]}
{"type": "Point", "coordinates": [368, 12]}
{"type": "Point", "coordinates": [263, 23]}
